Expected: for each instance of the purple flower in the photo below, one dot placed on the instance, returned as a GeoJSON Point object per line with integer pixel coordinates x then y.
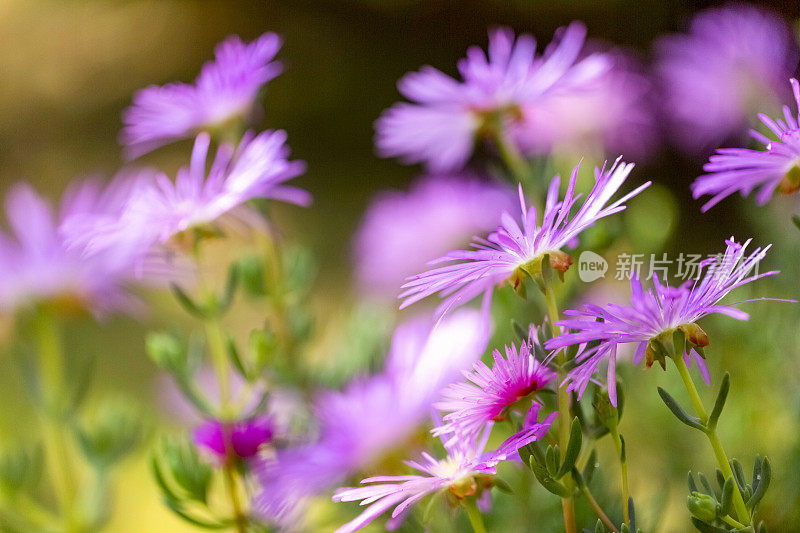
{"type": "Point", "coordinates": [440, 126]}
{"type": "Point", "coordinates": [372, 416]}
{"type": "Point", "coordinates": [226, 90]}
{"type": "Point", "coordinates": [739, 169]}
{"type": "Point", "coordinates": [465, 472]}
{"type": "Point", "coordinates": [512, 251]}
{"type": "Point", "coordinates": [656, 315]}
{"type": "Point", "coordinates": [734, 58]}
{"type": "Point", "coordinates": [489, 393]}
{"type": "Point", "coordinates": [611, 113]}
{"type": "Point", "coordinates": [241, 439]}
{"type": "Point", "coordinates": [401, 231]}
{"type": "Point", "coordinates": [42, 263]}
{"type": "Point", "coordinates": [160, 209]}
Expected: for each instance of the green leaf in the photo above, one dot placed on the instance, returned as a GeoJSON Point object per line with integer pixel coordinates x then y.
{"type": "Point", "coordinates": [722, 395]}
{"type": "Point", "coordinates": [761, 487]}
{"type": "Point", "coordinates": [677, 410]}
{"type": "Point", "coordinates": [187, 303]}
{"type": "Point", "coordinates": [552, 458]}
{"type": "Point", "coordinates": [548, 482]}
{"type": "Point", "coordinates": [591, 466]}
{"type": "Point", "coordinates": [692, 484]}
{"type": "Point", "coordinates": [796, 221]}
{"type": "Point", "coordinates": [231, 283]}
{"type": "Point", "coordinates": [501, 485]}
{"type": "Point", "coordinates": [706, 528]}
{"type": "Point", "coordinates": [599, 527]}
{"type": "Point", "coordinates": [519, 330]}
{"type": "Point", "coordinates": [573, 448]}
{"type": "Point", "coordinates": [235, 358]}
{"type": "Point", "coordinates": [429, 507]}
{"type": "Point", "coordinates": [727, 497]}
{"type": "Point", "coordinates": [738, 473]}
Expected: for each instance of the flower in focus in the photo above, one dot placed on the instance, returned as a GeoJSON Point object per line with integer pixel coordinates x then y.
{"type": "Point", "coordinates": [43, 263]}
{"type": "Point", "coordinates": [513, 251]}
{"type": "Point", "coordinates": [241, 439]}
{"type": "Point", "coordinates": [225, 90]}
{"type": "Point", "coordinates": [739, 169]}
{"type": "Point", "coordinates": [611, 113]}
{"type": "Point", "coordinates": [733, 59]}
{"type": "Point", "coordinates": [652, 317]}
{"type": "Point", "coordinates": [466, 472]}
{"type": "Point", "coordinates": [360, 425]}
{"type": "Point", "coordinates": [490, 393]}
{"type": "Point", "coordinates": [439, 128]}
{"type": "Point", "coordinates": [401, 231]}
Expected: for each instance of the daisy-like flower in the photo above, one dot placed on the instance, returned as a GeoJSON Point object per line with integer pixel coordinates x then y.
{"type": "Point", "coordinates": [741, 170]}
{"type": "Point", "coordinates": [490, 393]}
{"type": "Point", "coordinates": [360, 425]}
{"type": "Point", "coordinates": [42, 264]}
{"type": "Point", "coordinates": [241, 439]}
{"type": "Point", "coordinates": [654, 315]}
{"type": "Point", "coordinates": [160, 209]}
{"type": "Point", "coordinates": [733, 59]}
{"type": "Point", "coordinates": [225, 91]}
{"type": "Point", "coordinates": [466, 472]}
{"type": "Point", "coordinates": [439, 128]}
{"type": "Point", "coordinates": [402, 230]}
{"type": "Point", "coordinates": [512, 252]}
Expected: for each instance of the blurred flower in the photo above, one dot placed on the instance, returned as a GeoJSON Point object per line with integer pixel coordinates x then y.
{"type": "Point", "coordinates": [512, 251]}
{"type": "Point", "coordinates": [739, 169]}
{"type": "Point", "coordinates": [401, 231]}
{"type": "Point", "coordinates": [656, 315]}
{"type": "Point", "coordinates": [160, 209]}
{"type": "Point", "coordinates": [440, 127]}
{"type": "Point", "coordinates": [465, 472]}
{"type": "Point", "coordinates": [490, 392]}
{"type": "Point", "coordinates": [244, 437]}
{"type": "Point", "coordinates": [41, 262]}
{"type": "Point", "coordinates": [611, 112]}
{"type": "Point", "coordinates": [226, 90]}
{"type": "Point", "coordinates": [733, 59]}
{"type": "Point", "coordinates": [372, 416]}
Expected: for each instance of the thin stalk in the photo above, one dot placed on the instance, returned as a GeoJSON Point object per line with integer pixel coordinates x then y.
{"type": "Point", "coordinates": [474, 515]}
{"type": "Point", "coordinates": [711, 432]}
{"type": "Point", "coordinates": [731, 522]}
{"type": "Point", "coordinates": [623, 466]}
{"type": "Point", "coordinates": [511, 156]}
{"type": "Point", "coordinates": [54, 430]}
{"type": "Point", "coordinates": [239, 518]}
{"type": "Point", "coordinates": [598, 510]}
{"type": "Point", "coordinates": [567, 504]}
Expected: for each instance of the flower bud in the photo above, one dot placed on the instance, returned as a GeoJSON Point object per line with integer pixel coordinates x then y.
{"type": "Point", "coordinates": [702, 506]}
{"type": "Point", "coordinates": [230, 440]}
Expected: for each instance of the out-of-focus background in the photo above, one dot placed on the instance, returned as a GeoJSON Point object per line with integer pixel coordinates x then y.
{"type": "Point", "coordinates": [69, 67]}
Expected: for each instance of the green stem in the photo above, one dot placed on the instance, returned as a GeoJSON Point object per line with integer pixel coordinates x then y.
{"type": "Point", "coordinates": [716, 445]}
{"type": "Point", "coordinates": [567, 504]}
{"type": "Point", "coordinates": [219, 357]}
{"type": "Point", "coordinates": [511, 156]}
{"type": "Point", "coordinates": [54, 429]}
{"type": "Point", "coordinates": [731, 522]}
{"type": "Point", "coordinates": [598, 510]}
{"type": "Point", "coordinates": [239, 518]}
{"type": "Point", "coordinates": [623, 466]}
{"type": "Point", "coordinates": [474, 515]}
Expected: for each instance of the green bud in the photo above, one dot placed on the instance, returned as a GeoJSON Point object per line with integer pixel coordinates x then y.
{"type": "Point", "coordinates": [605, 412]}
{"type": "Point", "coordinates": [166, 351]}
{"type": "Point", "coordinates": [702, 506]}
{"type": "Point", "coordinates": [251, 271]}
{"type": "Point", "coordinates": [185, 467]}
{"type": "Point", "coordinates": [114, 431]}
